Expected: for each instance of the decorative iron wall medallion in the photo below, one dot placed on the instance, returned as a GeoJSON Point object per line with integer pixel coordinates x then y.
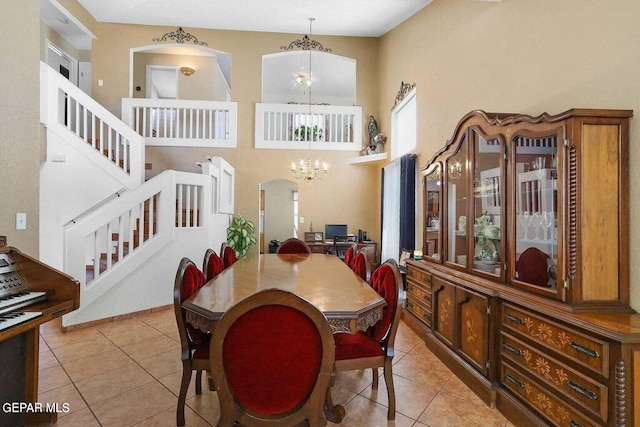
{"type": "Point", "coordinates": [306, 43]}
{"type": "Point", "coordinates": [180, 37]}
{"type": "Point", "coordinates": [405, 88]}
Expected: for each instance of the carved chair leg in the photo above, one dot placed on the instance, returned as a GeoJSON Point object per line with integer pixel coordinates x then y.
{"type": "Point", "coordinates": [182, 396]}
{"type": "Point", "coordinates": [199, 381]}
{"type": "Point", "coordinates": [333, 413]}
{"type": "Point", "coordinates": [374, 372]}
{"type": "Point", "coordinates": [391, 392]}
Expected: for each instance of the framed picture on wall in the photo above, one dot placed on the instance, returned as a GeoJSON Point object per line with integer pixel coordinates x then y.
{"type": "Point", "coordinates": [313, 236]}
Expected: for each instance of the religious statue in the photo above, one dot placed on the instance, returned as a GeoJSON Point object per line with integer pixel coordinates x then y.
{"type": "Point", "coordinates": [372, 129]}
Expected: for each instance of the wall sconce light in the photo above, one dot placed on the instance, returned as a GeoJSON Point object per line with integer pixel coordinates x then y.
{"type": "Point", "coordinates": [187, 71]}
{"type": "Point", "coordinates": [455, 170]}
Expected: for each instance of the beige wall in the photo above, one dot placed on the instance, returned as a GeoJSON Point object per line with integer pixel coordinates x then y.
{"type": "Point", "coordinates": [20, 136]}
{"type": "Point", "coordinates": [525, 56]}
{"type": "Point", "coordinates": [200, 85]}
{"type": "Point", "coordinates": [345, 196]}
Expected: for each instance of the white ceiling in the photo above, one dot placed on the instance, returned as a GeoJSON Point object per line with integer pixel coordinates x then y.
{"type": "Point", "coordinates": [364, 18]}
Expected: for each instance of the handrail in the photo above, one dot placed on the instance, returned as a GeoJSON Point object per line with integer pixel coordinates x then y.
{"type": "Point", "coordinates": [99, 134]}
{"type": "Point", "coordinates": [180, 122]}
{"type": "Point", "coordinates": [299, 126]}
{"type": "Point", "coordinates": [143, 218]}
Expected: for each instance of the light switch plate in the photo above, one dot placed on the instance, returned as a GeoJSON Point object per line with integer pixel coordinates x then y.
{"type": "Point", "coordinates": [21, 221]}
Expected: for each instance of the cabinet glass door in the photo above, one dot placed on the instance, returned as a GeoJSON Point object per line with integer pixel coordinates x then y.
{"type": "Point", "coordinates": [432, 214]}
{"type": "Point", "coordinates": [536, 244]}
{"type": "Point", "coordinates": [488, 196]}
{"type": "Point", "coordinates": [457, 205]}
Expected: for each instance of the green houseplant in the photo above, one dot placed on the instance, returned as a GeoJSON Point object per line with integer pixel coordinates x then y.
{"type": "Point", "coordinates": [241, 235]}
{"type": "Point", "coordinates": [308, 133]}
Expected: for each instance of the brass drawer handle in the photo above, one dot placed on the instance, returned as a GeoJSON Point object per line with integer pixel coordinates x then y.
{"type": "Point", "coordinates": [515, 380]}
{"type": "Point", "coordinates": [427, 297]}
{"type": "Point", "coordinates": [427, 279]}
{"type": "Point", "coordinates": [573, 423]}
{"type": "Point", "coordinates": [409, 288]}
{"type": "Point", "coordinates": [516, 319]}
{"type": "Point", "coordinates": [585, 350]}
{"type": "Point", "coordinates": [513, 349]}
{"type": "Point", "coordinates": [582, 390]}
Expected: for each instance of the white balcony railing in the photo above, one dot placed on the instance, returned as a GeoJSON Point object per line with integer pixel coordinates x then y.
{"type": "Point", "coordinates": [186, 123]}
{"type": "Point", "coordinates": [297, 126]}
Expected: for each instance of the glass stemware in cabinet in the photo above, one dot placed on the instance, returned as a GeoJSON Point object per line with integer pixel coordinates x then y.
{"type": "Point", "coordinates": [536, 222]}
{"type": "Point", "coordinates": [524, 222]}
{"type": "Point", "coordinates": [548, 221]}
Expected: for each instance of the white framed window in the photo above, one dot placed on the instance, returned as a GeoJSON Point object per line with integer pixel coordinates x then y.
{"type": "Point", "coordinates": [403, 126]}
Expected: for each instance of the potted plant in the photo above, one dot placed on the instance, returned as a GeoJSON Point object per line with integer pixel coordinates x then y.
{"type": "Point", "coordinates": [308, 133]}
{"type": "Point", "coordinates": [241, 235]}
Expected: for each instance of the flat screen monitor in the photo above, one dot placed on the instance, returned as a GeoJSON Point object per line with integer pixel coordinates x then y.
{"type": "Point", "coordinates": [333, 230]}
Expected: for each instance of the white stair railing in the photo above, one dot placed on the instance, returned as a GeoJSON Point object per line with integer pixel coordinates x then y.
{"type": "Point", "coordinates": [116, 238]}
{"type": "Point", "coordinates": [187, 123]}
{"type": "Point", "coordinates": [100, 135]}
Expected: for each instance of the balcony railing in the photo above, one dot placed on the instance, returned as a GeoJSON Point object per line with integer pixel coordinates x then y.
{"type": "Point", "coordinates": [186, 123]}
{"type": "Point", "coordinates": [320, 127]}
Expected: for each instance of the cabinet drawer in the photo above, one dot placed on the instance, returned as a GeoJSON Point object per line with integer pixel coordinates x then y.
{"type": "Point", "coordinates": [585, 392]}
{"type": "Point", "coordinates": [580, 348]}
{"type": "Point", "coordinates": [419, 311]}
{"type": "Point", "coordinates": [418, 293]}
{"type": "Point", "coordinates": [543, 402]}
{"type": "Point", "coordinates": [419, 277]}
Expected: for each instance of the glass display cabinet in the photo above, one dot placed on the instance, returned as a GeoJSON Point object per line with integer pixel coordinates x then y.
{"type": "Point", "coordinates": [523, 290]}
{"type": "Point", "coordinates": [525, 202]}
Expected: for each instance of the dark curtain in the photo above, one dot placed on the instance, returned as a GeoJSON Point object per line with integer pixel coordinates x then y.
{"type": "Point", "coordinates": [407, 202]}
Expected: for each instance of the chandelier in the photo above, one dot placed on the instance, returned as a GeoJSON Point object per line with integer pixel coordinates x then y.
{"type": "Point", "coordinates": [308, 169]}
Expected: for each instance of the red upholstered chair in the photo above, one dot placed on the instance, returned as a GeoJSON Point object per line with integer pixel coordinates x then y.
{"type": "Point", "coordinates": [272, 359]}
{"type": "Point", "coordinates": [228, 254]}
{"type": "Point", "coordinates": [360, 265]}
{"type": "Point", "coordinates": [212, 264]}
{"type": "Point", "coordinates": [194, 343]}
{"type": "Point", "coordinates": [350, 253]}
{"type": "Point", "coordinates": [293, 246]}
{"type": "Point", "coordinates": [374, 348]}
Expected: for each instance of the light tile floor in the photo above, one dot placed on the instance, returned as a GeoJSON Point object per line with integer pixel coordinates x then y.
{"type": "Point", "coordinates": [127, 373]}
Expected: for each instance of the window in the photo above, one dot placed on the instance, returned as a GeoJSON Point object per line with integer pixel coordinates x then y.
{"type": "Point", "coordinates": [403, 126]}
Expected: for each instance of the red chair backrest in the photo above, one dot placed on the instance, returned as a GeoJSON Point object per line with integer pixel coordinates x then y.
{"type": "Point", "coordinates": [532, 267]}
{"type": "Point", "coordinates": [359, 265]}
{"type": "Point", "coordinates": [280, 379]}
{"type": "Point", "coordinates": [188, 280]}
{"type": "Point", "coordinates": [272, 357]}
{"type": "Point", "coordinates": [213, 265]}
{"type": "Point", "coordinates": [384, 282]}
{"type": "Point", "coordinates": [229, 256]}
{"type": "Point", "coordinates": [348, 256]}
{"type": "Point", "coordinates": [294, 246]}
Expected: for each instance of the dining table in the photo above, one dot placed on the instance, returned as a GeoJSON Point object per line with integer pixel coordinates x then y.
{"type": "Point", "coordinates": [346, 300]}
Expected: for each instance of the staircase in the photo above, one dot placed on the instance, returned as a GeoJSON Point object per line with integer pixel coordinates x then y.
{"type": "Point", "coordinates": [100, 222]}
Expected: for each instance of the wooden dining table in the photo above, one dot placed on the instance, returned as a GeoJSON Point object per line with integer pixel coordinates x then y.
{"type": "Point", "coordinates": [347, 301]}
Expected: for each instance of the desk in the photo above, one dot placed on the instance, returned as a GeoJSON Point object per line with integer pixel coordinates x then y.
{"type": "Point", "coordinates": [348, 302]}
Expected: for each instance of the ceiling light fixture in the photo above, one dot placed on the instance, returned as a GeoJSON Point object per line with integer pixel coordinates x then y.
{"type": "Point", "coordinates": [187, 71]}
{"type": "Point", "coordinates": [308, 130]}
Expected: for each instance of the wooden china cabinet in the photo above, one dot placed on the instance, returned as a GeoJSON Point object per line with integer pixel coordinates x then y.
{"type": "Point", "coordinates": [526, 294]}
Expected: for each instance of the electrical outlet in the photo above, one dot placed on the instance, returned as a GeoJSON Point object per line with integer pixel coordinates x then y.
{"type": "Point", "coordinates": [21, 221]}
